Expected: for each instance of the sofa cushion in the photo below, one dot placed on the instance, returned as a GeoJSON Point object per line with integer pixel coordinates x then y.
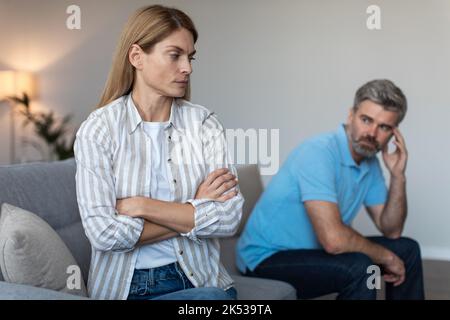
{"type": "Point", "coordinates": [48, 190]}
{"type": "Point", "coordinates": [263, 289]}
{"type": "Point", "coordinates": [251, 187]}
{"type": "Point", "coordinates": [228, 254]}
{"type": "Point", "coordinates": [32, 253]}
{"type": "Point", "coordinates": [12, 291]}
{"type": "Point", "coordinates": [252, 288]}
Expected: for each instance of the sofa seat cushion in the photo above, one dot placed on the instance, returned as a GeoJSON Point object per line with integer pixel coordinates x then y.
{"type": "Point", "coordinates": [249, 288]}
{"type": "Point", "coordinates": [32, 253]}
{"type": "Point", "coordinates": [12, 291]}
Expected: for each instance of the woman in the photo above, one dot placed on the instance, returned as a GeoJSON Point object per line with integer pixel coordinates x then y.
{"type": "Point", "coordinates": [155, 187]}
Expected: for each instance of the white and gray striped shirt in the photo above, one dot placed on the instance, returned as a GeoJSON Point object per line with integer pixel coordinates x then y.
{"type": "Point", "coordinates": [113, 160]}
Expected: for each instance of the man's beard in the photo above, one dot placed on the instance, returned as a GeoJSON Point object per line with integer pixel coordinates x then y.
{"type": "Point", "coordinates": [364, 150]}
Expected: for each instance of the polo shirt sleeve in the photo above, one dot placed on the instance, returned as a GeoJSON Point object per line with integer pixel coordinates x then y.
{"type": "Point", "coordinates": [314, 170]}
{"type": "Point", "coordinates": [377, 191]}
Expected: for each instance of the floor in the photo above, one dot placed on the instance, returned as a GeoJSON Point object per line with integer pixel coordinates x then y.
{"type": "Point", "coordinates": [437, 279]}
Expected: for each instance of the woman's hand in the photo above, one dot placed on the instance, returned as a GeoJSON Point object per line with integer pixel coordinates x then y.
{"type": "Point", "coordinates": [132, 207]}
{"type": "Point", "coordinates": [216, 184]}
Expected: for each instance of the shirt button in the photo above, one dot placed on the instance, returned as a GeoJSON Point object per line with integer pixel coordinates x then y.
{"type": "Point", "coordinates": [169, 160]}
{"type": "Point", "coordinates": [191, 274]}
{"type": "Point", "coordinates": [170, 138]}
{"type": "Point", "coordinates": [174, 181]}
{"type": "Point", "coordinates": [181, 252]}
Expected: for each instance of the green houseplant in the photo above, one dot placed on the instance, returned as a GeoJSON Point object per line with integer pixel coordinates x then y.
{"type": "Point", "coordinates": [54, 132]}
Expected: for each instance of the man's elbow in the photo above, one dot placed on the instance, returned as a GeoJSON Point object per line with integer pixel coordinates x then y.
{"type": "Point", "coordinates": [332, 245]}
{"type": "Point", "coordinates": [393, 235]}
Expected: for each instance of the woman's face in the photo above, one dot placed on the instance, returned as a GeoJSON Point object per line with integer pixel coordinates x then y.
{"type": "Point", "coordinates": [167, 67]}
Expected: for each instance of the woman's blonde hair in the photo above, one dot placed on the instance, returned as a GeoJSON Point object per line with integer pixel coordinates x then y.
{"type": "Point", "coordinates": [146, 27]}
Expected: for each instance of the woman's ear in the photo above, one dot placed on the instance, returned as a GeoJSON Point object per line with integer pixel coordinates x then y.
{"type": "Point", "coordinates": [135, 55]}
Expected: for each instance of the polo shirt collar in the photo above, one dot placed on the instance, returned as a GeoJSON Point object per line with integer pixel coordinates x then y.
{"type": "Point", "coordinates": [346, 155]}
{"type": "Point", "coordinates": [344, 148]}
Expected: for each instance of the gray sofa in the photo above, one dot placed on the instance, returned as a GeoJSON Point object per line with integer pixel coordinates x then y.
{"type": "Point", "coordinates": [48, 190]}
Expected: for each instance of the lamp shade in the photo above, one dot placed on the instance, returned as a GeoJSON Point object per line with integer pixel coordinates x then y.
{"type": "Point", "coordinates": [15, 83]}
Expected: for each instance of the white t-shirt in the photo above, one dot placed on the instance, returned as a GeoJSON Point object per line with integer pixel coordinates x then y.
{"type": "Point", "coordinates": [160, 253]}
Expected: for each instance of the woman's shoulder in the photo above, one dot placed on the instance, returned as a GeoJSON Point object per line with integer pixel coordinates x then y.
{"type": "Point", "coordinates": [188, 108]}
{"type": "Point", "coordinates": [102, 118]}
{"type": "Point", "coordinates": [200, 114]}
{"type": "Point", "coordinates": [112, 108]}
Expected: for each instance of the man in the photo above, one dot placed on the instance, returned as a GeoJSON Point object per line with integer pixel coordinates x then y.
{"type": "Point", "coordinates": [300, 230]}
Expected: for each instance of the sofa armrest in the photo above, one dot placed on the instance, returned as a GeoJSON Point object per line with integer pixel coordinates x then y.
{"type": "Point", "coordinates": [12, 291]}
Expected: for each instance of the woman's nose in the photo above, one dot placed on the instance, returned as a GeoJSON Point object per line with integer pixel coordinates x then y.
{"type": "Point", "coordinates": [186, 66]}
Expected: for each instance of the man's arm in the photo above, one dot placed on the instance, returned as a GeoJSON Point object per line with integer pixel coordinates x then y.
{"type": "Point", "coordinates": [390, 218]}
{"type": "Point", "coordinates": [337, 238]}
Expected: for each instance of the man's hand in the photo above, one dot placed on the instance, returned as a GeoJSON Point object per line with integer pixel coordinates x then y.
{"type": "Point", "coordinates": [396, 161]}
{"type": "Point", "coordinates": [394, 269]}
{"type": "Point", "coordinates": [216, 184]}
{"type": "Point", "coordinates": [133, 207]}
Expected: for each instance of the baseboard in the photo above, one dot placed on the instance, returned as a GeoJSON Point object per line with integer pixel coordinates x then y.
{"type": "Point", "coordinates": [435, 253]}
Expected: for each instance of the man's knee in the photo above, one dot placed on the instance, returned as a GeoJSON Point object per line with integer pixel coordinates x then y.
{"type": "Point", "coordinates": [409, 243]}
{"type": "Point", "coordinates": [356, 285]}
{"type": "Point", "coordinates": [360, 265]}
{"type": "Point", "coordinates": [407, 247]}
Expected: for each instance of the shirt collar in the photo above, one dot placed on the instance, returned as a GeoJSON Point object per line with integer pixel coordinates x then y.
{"type": "Point", "coordinates": [134, 119]}
{"type": "Point", "coordinates": [344, 147]}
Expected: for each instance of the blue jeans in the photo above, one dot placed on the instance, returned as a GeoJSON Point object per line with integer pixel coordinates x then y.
{"type": "Point", "coordinates": [170, 283]}
{"type": "Point", "coordinates": [315, 273]}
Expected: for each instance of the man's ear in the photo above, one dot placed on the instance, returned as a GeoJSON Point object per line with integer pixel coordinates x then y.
{"type": "Point", "coordinates": [350, 116]}
{"type": "Point", "coordinates": [135, 56]}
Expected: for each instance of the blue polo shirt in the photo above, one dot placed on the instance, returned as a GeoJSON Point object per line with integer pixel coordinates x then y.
{"type": "Point", "coordinates": [320, 168]}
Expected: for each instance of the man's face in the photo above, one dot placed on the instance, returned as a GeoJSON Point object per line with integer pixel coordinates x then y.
{"type": "Point", "coordinates": [369, 129]}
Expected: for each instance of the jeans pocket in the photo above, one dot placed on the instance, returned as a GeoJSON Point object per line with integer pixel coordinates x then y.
{"type": "Point", "coordinates": [169, 272]}
{"type": "Point", "coordinates": [163, 286]}
{"type": "Point", "coordinates": [138, 289]}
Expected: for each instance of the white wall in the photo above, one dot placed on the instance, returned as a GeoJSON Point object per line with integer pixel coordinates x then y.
{"type": "Point", "coordinates": [288, 65]}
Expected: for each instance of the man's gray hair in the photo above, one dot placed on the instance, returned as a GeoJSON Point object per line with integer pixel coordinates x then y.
{"type": "Point", "coordinates": [385, 93]}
